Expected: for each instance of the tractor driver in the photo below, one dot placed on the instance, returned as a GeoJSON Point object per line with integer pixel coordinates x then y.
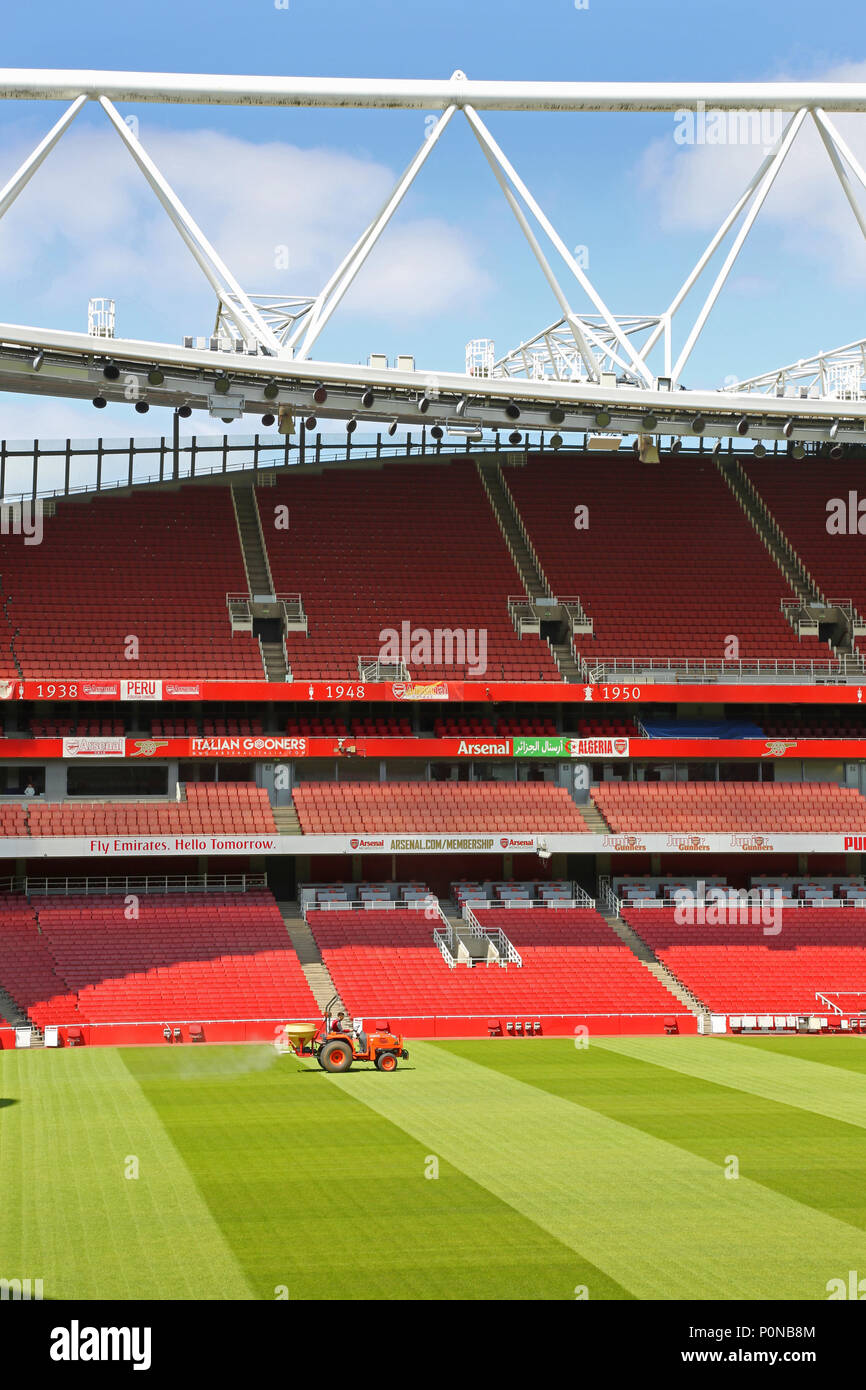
{"type": "Point", "coordinates": [340, 1025]}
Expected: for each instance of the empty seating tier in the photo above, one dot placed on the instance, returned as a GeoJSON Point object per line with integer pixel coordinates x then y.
{"type": "Point", "coordinates": [184, 956]}
{"type": "Point", "coordinates": [667, 566]}
{"type": "Point", "coordinates": [798, 494]}
{"type": "Point", "coordinates": [210, 808]}
{"type": "Point", "coordinates": [328, 808]}
{"type": "Point", "coordinates": [155, 568]}
{"type": "Point", "coordinates": [724, 806]}
{"type": "Point", "coordinates": [737, 968]}
{"type": "Point", "coordinates": [415, 543]}
{"type": "Point", "coordinates": [385, 964]}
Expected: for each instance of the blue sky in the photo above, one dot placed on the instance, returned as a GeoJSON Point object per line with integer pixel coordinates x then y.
{"type": "Point", "coordinates": [455, 265]}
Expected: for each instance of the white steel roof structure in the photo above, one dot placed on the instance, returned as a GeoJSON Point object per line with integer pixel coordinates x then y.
{"type": "Point", "coordinates": [589, 363]}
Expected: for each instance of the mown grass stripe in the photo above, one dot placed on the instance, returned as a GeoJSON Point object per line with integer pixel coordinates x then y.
{"type": "Point", "coordinates": [661, 1221]}
{"type": "Point", "coordinates": [318, 1195]}
{"type": "Point", "coordinates": [806, 1157]}
{"type": "Point", "coordinates": [69, 1215]}
{"type": "Point", "coordinates": [799, 1079]}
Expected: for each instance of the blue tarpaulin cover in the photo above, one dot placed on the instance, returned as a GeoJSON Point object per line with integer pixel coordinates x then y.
{"type": "Point", "coordinates": [701, 728]}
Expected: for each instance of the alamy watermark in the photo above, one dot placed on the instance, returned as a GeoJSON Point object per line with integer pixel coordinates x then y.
{"type": "Point", "coordinates": [22, 519]}
{"type": "Point", "coordinates": [736, 126]}
{"type": "Point", "coordinates": [715, 906]}
{"type": "Point", "coordinates": [438, 646]}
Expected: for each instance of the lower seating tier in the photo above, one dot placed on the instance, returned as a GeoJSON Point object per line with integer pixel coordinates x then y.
{"type": "Point", "coordinates": [205, 955]}
{"type": "Point", "coordinates": [385, 964]}
{"type": "Point", "coordinates": [753, 968]}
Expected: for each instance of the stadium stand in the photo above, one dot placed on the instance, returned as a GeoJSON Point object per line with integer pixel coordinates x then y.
{"type": "Point", "coordinates": [441, 807]}
{"type": "Point", "coordinates": [157, 567]}
{"type": "Point", "coordinates": [13, 820]}
{"type": "Point", "coordinates": [736, 968]}
{"type": "Point", "coordinates": [412, 543]}
{"type": "Point", "coordinates": [28, 971]}
{"type": "Point", "coordinates": [385, 963]}
{"type": "Point", "coordinates": [689, 571]}
{"type": "Point", "coordinates": [209, 808]}
{"type": "Point", "coordinates": [815, 722]}
{"type": "Point", "coordinates": [186, 956]}
{"type": "Point", "coordinates": [798, 495]}
{"type": "Point", "coordinates": [722, 806]}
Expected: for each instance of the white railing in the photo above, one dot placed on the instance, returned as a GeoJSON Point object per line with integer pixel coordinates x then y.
{"type": "Point", "coordinates": [444, 941]}
{"type": "Point", "coordinates": [683, 671]}
{"type": "Point", "coordinates": [372, 670]}
{"type": "Point", "coordinates": [508, 954]}
{"type": "Point", "coordinates": [608, 899]}
{"type": "Point", "coordinates": [376, 905]}
{"type": "Point", "coordinates": [837, 1008]}
{"type": "Point", "coordinates": [149, 883]}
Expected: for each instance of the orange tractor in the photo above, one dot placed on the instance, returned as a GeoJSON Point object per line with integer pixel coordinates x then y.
{"type": "Point", "coordinates": [337, 1052]}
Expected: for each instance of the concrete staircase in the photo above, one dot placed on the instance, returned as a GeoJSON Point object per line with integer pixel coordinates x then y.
{"type": "Point", "coordinates": [310, 957]}
{"type": "Point", "coordinates": [11, 1011]}
{"type": "Point", "coordinates": [812, 606]}
{"type": "Point", "coordinates": [252, 542]}
{"type": "Point", "coordinates": [531, 574]}
{"type": "Point", "coordinates": [650, 960]}
{"type": "Point", "coordinates": [286, 820]}
{"type": "Point", "coordinates": [475, 948]}
{"type": "Point", "coordinates": [258, 572]}
{"type": "Point", "coordinates": [595, 821]}
{"type": "Point", "coordinates": [19, 1018]}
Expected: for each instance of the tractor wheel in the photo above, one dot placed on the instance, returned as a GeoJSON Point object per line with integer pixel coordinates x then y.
{"type": "Point", "coordinates": [336, 1056]}
{"type": "Point", "coordinates": [386, 1061]}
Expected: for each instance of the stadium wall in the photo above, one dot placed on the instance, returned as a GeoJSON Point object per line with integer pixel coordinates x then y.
{"type": "Point", "coordinates": [430, 1026]}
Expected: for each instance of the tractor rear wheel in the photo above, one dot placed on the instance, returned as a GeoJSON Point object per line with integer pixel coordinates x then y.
{"type": "Point", "coordinates": [336, 1056]}
{"type": "Point", "coordinates": [386, 1061]}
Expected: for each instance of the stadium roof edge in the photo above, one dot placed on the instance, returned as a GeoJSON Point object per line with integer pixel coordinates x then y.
{"type": "Point", "coordinates": [65, 84]}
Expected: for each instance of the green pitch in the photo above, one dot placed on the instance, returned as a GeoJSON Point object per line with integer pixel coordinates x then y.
{"type": "Point", "coordinates": [673, 1168]}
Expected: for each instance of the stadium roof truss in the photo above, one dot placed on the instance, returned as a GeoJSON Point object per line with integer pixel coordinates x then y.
{"type": "Point", "coordinates": [585, 363]}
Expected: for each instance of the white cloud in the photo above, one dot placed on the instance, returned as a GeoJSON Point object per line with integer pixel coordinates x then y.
{"type": "Point", "coordinates": [88, 224]}
{"type": "Point", "coordinates": [695, 186]}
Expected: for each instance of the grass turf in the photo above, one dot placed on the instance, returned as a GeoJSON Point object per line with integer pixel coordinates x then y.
{"type": "Point", "coordinates": [559, 1169]}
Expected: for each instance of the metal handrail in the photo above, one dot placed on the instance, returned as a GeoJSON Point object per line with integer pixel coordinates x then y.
{"type": "Point", "coordinates": [148, 883]}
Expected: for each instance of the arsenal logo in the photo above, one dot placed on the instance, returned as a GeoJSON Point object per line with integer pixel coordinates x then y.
{"type": "Point", "coordinates": [354, 844]}
{"type": "Point", "coordinates": [504, 842]}
{"type": "Point", "coordinates": [620, 745]}
{"type": "Point", "coordinates": [398, 691]}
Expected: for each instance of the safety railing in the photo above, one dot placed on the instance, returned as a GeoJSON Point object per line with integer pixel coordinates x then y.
{"type": "Point", "coordinates": [702, 670]}
{"type": "Point", "coordinates": [149, 883]}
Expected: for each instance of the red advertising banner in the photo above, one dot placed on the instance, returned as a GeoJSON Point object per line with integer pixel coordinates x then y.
{"type": "Point", "coordinates": [274, 747]}
{"type": "Point", "coordinates": [112, 689]}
